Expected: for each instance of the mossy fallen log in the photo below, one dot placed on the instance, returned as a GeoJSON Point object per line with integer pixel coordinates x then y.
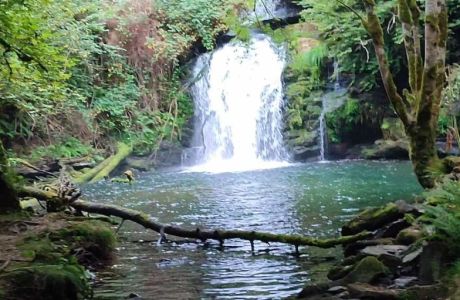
{"type": "Point", "coordinates": [107, 166]}
{"type": "Point", "coordinates": [218, 235]}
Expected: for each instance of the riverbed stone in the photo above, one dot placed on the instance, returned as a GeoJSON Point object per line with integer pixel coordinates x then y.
{"type": "Point", "coordinates": [367, 270]}
{"type": "Point", "coordinates": [367, 291]}
{"type": "Point", "coordinates": [409, 235]}
{"type": "Point", "coordinates": [393, 229]}
{"type": "Point", "coordinates": [404, 281]}
{"type": "Point", "coordinates": [375, 218]}
{"type": "Point", "coordinates": [338, 272]}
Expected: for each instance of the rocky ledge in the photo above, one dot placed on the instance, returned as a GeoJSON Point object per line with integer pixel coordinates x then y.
{"type": "Point", "coordinates": [398, 262]}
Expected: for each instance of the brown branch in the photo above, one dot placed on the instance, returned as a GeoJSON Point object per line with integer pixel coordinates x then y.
{"type": "Point", "coordinates": [409, 21]}
{"type": "Point", "coordinates": [374, 28]}
{"type": "Point", "coordinates": [351, 9]}
{"type": "Point", "coordinates": [435, 53]}
{"type": "Point", "coordinates": [218, 235]}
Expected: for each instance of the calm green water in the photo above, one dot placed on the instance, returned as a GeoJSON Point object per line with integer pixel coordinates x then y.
{"type": "Point", "coordinates": [312, 199]}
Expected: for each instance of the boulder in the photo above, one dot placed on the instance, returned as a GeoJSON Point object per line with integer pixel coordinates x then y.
{"type": "Point", "coordinates": [354, 248]}
{"type": "Point", "coordinates": [387, 149]}
{"type": "Point", "coordinates": [301, 153]}
{"type": "Point", "coordinates": [405, 281]}
{"type": "Point", "coordinates": [366, 271]}
{"type": "Point", "coordinates": [375, 218]}
{"type": "Point", "coordinates": [393, 229]}
{"type": "Point", "coordinates": [409, 235]}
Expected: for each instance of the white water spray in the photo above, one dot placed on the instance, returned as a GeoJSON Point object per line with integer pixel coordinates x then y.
{"type": "Point", "coordinates": [238, 107]}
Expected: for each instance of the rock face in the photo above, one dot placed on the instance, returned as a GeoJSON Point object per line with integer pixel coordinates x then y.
{"type": "Point", "coordinates": [387, 149]}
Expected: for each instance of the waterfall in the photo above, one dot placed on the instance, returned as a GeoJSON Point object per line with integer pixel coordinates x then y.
{"type": "Point", "coordinates": [268, 9]}
{"type": "Point", "coordinates": [238, 97]}
{"type": "Point", "coordinates": [330, 101]}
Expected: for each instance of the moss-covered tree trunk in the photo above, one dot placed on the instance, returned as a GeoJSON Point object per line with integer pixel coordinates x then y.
{"type": "Point", "coordinates": [417, 107]}
{"type": "Point", "coordinates": [8, 196]}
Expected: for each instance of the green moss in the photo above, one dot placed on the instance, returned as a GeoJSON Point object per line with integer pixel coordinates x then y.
{"type": "Point", "coordinates": [366, 271]}
{"type": "Point", "coordinates": [41, 248]}
{"type": "Point", "coordinates": [371, 219]}
{"type": "Point", "coordinates": [94, 236]}
{"type": "Point", "coordinates": [38, 282]}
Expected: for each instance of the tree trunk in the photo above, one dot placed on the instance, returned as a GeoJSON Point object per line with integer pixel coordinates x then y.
{"type": "Point", "coordinates": [423, 155]}
{"type": "Point", "coordinates": [418, 107]}
{"type": "Point", "coordinates": [8, 199]}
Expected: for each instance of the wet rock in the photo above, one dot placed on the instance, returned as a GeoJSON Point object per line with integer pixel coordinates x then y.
{"type": "Point", "coordinates": [134, 296]}
{"type": "Point", "coordinates": [405, 281]}
{"type": "Point", "coordinates": [375, 218]}
{"type": "Point", "coordinates": [367, 270]}
{"type": "Point", "coordinates": [338, 272]}
{"type": "Point", "coordinates": [412, 256]}
{"type": "Point", "coordinates": [313, 290]}
{"type": "Point", "coordinates": [394, 250]}
{"type": "Point", "coordinates": [337, 289]}
{"type": "Point", "coordinates": [354, 248]}
{"type": "Point", "coordinates": [409, 235]}
{"type": "Point", "coordinates": [367, 291]}
{"type": "Point", "coordinates": [139, 163]}
{"type": "Point", "coordinates": [302, 153]}
{"type": "Point", "coordinates": [387, 149]}
{"type": "Point", "coordinates": [393, 229]}
{"type": "Point", "coordinates": [389, 255]}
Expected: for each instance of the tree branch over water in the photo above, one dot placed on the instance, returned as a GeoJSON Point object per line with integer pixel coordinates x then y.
{"type": "Point", "coordinates": [218, 235]}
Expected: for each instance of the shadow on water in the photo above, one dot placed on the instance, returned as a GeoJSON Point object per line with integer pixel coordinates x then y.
{"type": "Point", "coordinates": [312, 199]}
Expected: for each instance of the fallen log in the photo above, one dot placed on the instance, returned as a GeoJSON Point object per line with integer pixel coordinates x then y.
{"type": "Point", "coordinates": [123, 151]}
{"type": "Point", "coordinates": [218, 235]}
{"type": "Point", "coordinates": [104, 168]}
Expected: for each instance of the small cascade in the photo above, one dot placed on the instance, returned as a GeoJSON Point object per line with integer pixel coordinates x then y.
{"type": "Point", "coordinates": [238, 96]}
{"type": "Point", "coordinates": [330, 102]}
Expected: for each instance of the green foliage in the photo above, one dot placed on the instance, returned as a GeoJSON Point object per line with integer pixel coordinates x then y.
{"type": "Point", "coordinates": [67, 148]}
{"type": "Point", "coordinates": [310, 62]}
{"type": "Point", "coordinates": [62, 281]}
{"type": "Point", "coordinates": [443, 213]}
{"type": "Point", "coordinates": [189, 21]}
{"type": "Point", "coordinates": [347, 40]}
{"type": "Point", "coordinates": [341, 121]}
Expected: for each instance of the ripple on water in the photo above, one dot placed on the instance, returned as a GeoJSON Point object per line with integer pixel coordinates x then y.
{"type": "Point", "coordinates": [311, 199]}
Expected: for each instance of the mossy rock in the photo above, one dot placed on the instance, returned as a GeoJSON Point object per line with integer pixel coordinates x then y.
{"type": "Point", "coordinates": [409, 235]}
{"type": "Point", "coordinates": [93, 236]}
{"type": "Point", "coordinates": [50, 282]}
{"type": "Point", "coordinates": [387, 149]}
{"type": "Point", "coordinates": [374, 218]}
{"type": "Point", "coordinates": [366, 271]}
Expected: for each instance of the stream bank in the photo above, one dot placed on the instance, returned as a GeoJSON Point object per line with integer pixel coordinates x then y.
{"type": "Point", "coordinates": [52, 256]}
{"type": "Point", "coordinates": [409, 256]}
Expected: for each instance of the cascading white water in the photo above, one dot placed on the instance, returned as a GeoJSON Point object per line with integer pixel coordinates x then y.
{"type": "Point", "coordinates": [330, 101]}
{"type": "Point", "coordinates": [265, 10]}
{"type": "Point", "coordinates": [238, 106]}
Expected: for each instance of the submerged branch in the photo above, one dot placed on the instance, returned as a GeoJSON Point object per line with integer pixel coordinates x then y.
{"type": "Point", "coordinates": [218, 235]}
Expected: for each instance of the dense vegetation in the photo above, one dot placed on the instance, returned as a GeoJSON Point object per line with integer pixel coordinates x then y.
{"type": "Point", "coordinates": [78, 75]}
